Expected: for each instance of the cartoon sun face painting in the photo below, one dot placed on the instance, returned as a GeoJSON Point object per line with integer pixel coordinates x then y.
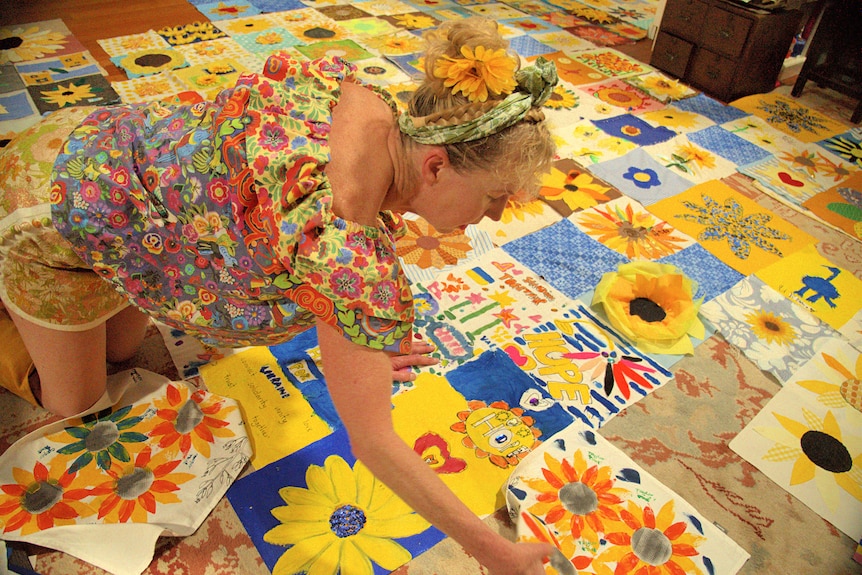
{"type": "Point", "coordinates": [502, 434]}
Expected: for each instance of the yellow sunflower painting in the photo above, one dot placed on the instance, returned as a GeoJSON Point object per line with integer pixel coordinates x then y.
{"type": "Point", "coordinates": [820, 452]}
{"type": "Point", "coordinates": [425, 247]}
{"type": "Point", "coordinates": [344, 520]}
{"type": "Point", "coordinates": [841, 385]}
{"type": "Point", "coordinates": [68, 95]}
{"type": "Point", "coordinates": [573, 187]}
{"type": "Point", "coordinates": [187, 420]}
{"type": "Point", "coordinates": [771, 327]}
{"type": "Point", "coordinates": [29, 43]}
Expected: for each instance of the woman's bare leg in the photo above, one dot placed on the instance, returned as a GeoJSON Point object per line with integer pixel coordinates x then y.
{"type": "Point", "coordinates": [70, 364]}
{"type": "Point", "coordinates": [125, 332]}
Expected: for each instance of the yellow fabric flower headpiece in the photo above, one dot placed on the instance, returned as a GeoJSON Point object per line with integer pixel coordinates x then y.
{"type": "Point", "coordinates": [478, 73]}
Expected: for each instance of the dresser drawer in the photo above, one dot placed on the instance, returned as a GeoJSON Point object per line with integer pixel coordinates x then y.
{"type": "Point", "coordinates": [712, 73]}
{"type": "Point", "coordinates": [725, 32]}
{"type": "Point", "coordinates": [684, 18]}
{"type": "Point", "coordinates": [671, 54]}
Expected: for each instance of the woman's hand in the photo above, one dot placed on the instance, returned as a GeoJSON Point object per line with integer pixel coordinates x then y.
{"type": "Point", "coordinates": [418, 355]}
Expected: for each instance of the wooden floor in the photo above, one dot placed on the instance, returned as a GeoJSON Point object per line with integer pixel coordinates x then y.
{"type": "Point", "coordinates": [93, 20]}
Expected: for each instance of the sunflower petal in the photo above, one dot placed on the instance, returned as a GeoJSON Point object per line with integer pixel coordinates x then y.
{"type": "Point", "coordinates": [300, 556]}
{"type": "Point", "coordinates": [385, 552]}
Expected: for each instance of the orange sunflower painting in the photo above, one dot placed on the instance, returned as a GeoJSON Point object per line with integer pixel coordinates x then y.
{"type": "Point", "coordinates": [190, 419]}
{"type": "Point", "coordinates": [426, 248]}
{"type": "Point", "coordinates": [576, 497]}
{"type": "Point", "coordinates": [649, 543]}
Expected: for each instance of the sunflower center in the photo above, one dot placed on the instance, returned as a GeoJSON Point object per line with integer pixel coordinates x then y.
{"type": "Point", "coordinates": [135, 483]}
{"type": "Point", "coordinates": [826, 452]}
{"type": "Point", "coordinates": [152, 60]}
{"type": "Point", "coordinates": [851, 391]}
{"type": "Point", "coordinates": [627, 230]}
{"type": "Point", "coordinates": [651, 546]}
{"type": "Point", "coordinates": [646, 309]}
{"type": "Point", "coordinates": [771, 326]}
{"type": "Point", "coordinates": [347, 520]}
{"type": "Point", "coordinates": [188, 417]}
{"type": "Point", "coordinates": [102, 436]}
{"type": "Point", "coordinates": [11, 43]}
{"type": "Point", "coordinates": [41, 497]}
{"type": "Point", "coordinates": [428, 243]}
{"type": "Point", "coordinates": [578, 498]}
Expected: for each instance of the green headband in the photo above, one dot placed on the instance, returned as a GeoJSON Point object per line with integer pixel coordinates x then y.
{"type": "Point", "coordinates": [535, 85]}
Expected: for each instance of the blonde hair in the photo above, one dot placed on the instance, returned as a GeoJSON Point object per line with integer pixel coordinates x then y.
{"type": "Point", "coordinates": [516, 155]}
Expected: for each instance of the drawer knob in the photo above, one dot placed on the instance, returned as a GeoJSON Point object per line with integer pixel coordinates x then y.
{"type": "Point", "coordinates": [669, 56]}
{"type": "Point", "coordinates": [712, 74]}
{"type": "Point", "coordinates": [725, 33]}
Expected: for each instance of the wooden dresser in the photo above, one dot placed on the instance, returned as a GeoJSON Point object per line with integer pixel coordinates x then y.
{"type": "Point", "coordinates": [726, 50]}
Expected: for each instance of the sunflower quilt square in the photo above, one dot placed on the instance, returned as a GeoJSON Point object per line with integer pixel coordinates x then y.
{"type": "Point", "coordinates": [519, 219]}
{"type": "Point", "coordinates": [94, 90]}
{"type": "Point", "coordinates": [807, 438]}
{"type": "Point", "coordinates": [691, 161]}
{"type": "Point", "coordinates": [772, 331]}
{"type": "Point", "coordinates": [790, 116]}
{"type": "Point", "coordinates": [561, 107]}
{"type": "Point", "coordinates": [348, 521]}
{"type": "Point", "coordinates": [831, 293]}
{"type": "Point", "coordinates": [249, 24]}
{"type": "Point", "coordinates": [564, 247]}
{"type": "Point", "coordinates": [220, 48]}
{"type": "Point", "coordinates": [563, 41]}
{"type": "Point", "coordinates": [189, 33]}
{"type": "Point", "coordinates": [360, 28]}
{"type": "Point", "coordinates": [569, 188]}
{"type": "Point", "coordinates": [581, 524]}
{"type": "Point", "coordinates": [381, 72]}
{"type": "Point", "coordinates": [412, 21]}
{"type": "Point", "coordinates": [425, 253]}
{"type": "Point", "coordinates": [147, 62]}
{"type": "Point", "coordinates": [737, 230]}
{"type": "Point", "coordinates": [267, 41]}
{"type": "Point", "coordinates": [679, 121]}
{"type": "Point", "coordinates": [841, 205]}
{"type": "Point", "coordinates": [397, 44]}
{"type": "Point", "coordinates": [120, 45]}
{"type": "Point", "coordinates": [623, 96]}
{"type": "Point", "coordinates": [588, 144]}
{"type": "Point", "coordinates": [148, 88]}
{"type": "Point", "coordinates": [130, 462]}
{"type": "Point", "coordinates": [37, 40]}
{"type": "Point", "coordinates": [628, 228]}
{"type": "Point", "coordinates": [661, 87]}
{"type": "Point", "coordinates": [212, 77]}
{"type": "Point", "coordinates": [639, 176]}
{"type": "Point", "coordinates": [847, 146]}
{"type": "Point", "coordinates": [347, 49]}
{"type": "Point", "coordinates": [532, 25]}
{"type": "Point", "coordinates": [598, 35]}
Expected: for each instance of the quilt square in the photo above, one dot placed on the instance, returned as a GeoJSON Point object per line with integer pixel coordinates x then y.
{"type": "Point", "coordinates": [573, 71]}
{"type": "Point", "coordinates": [628, 228]}
{"type": "Point", "coordinates": [611, 62]}
{"type": "Point", "coordinates": [91, 90]}
{"type": "Point", "coordinates": [148, 88]}
{"type": "Point", "coordinates": [425, 253]}
{"type": "Point", "coordinates": [847, 146]}
{"type": "Point", "coordinates": [147, 62]}
{"type": "Point", "coordinates": [639, 176]}
{"type": "Point", "coordinates": [791, 185]}
{"type": "Point", "coordinates": [412, 21]}
{"type": "Point", "coordinates": [790, 116]}
{"type": "Point", "coordinates": [711, 108]}
{"type": "Point", "coordinates": [267, 41]}
{"type": "Point", "coordinates": [841, 205]}
{"type": "Point", "coordinates": [518, 220]}
{"type": "Point", "coordinates": [343, 12]}
{"type": "Point", "coordinates": [772, 331]}
{"type": "Point", "coordinates": [384, 7]}
{"type": "Point", "coordinates": [189, 33]}
{"type": "Point", "coordinates": [49, 70]}
{"type": "Point", "coordinates": [492, 10]}
{"type": "Point", "coordinates": [736, 229]}
{"type": "Point", "coordinates": [728, 145]}
{"type": "Point", "coordinates": [226, 10]}
{"type": "Point", "coordinates": [400, 43]}
{"type": "Point", "coordinates": [249, 24]}
{"type": "Point", "coordinates": [564, 42]}
{"type": "Point", "coordinates": [37, 40]}
{"type": "Point", "coordinates": [16, 106]}
{"type": "Point", "coordinates": [661, 87]}
{"type": "Point", "coordinates": [531, 25]}
{"type": "Point", "coordinates": [809, 279]}
{"type": "Point", "coordinates": [265, 502]}
{"type": "Point", "coordinates": [205, 52]}
{"type": "Point", "coordinates": [690, 160]}
{"type": "Point", "coordinates": [10, 80]}
{"type": "Point", "coordinates": [380, 71]}
{"type": "Point", "coordinates": [679, 121]}
{"type": "Point", "coordinates": [598, 35]}
{"type": "Point", "coordinates": [713, 276]}
{"type": "Point", "coordinates": [588, 144]}
{"type": "Point", "coordinates": [622, 95]}
{"type": "Point", "coordinates": [347, 49]}
{"type": "Point", "coordinates": [807, 438]}
{"type": "Point", "coordinates": [564, 247]}
{"type": "Point", "coordinates": [568, 188]}
{"type": "Point", "coordinates": [634, 129]}
{"type": "Point", "coordinates": [528, 46]}
{"type": "Point", "coordinates": [276, 5]}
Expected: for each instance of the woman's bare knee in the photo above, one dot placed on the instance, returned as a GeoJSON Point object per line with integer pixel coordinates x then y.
{"type": "Point", "coordinates": [124, 334]}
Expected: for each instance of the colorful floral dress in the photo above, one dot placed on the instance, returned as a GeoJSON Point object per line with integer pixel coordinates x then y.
{"type": "Point", "coordinates": [216, 217]}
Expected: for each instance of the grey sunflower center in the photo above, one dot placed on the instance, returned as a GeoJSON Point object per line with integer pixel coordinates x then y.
{"type": "Point", "coordinates": [102, 436]}
{"type": "Point", "coordinates": [135, 483]}
{"type": "Point", "coordinates": [578, 498]}
{"type": "Point", "coordinates": [651, 546]}
{"type": "Point", "coordinates": [189, 416]}
{"type": "Point", "coordinates": [41, 497]}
